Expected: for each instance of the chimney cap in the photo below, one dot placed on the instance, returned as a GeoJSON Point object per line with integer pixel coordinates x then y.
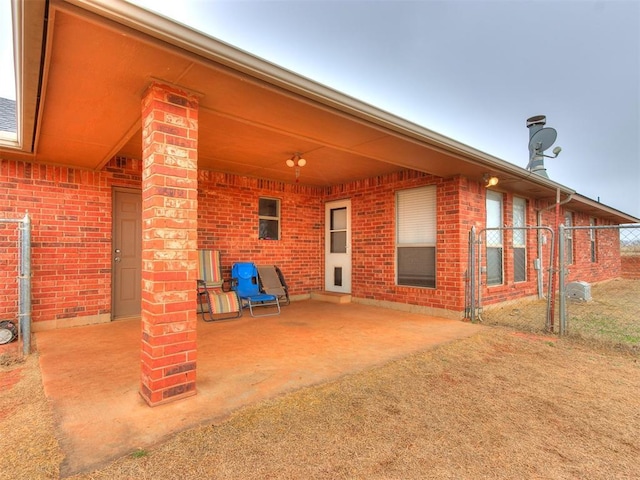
{"type": "Point", "coordinates": [536, 120]}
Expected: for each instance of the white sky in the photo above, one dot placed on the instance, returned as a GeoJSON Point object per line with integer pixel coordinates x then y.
{"type": "Point", "coordinates": [471, 70]}
{"type": "Point", "coordinates": [7, 81]}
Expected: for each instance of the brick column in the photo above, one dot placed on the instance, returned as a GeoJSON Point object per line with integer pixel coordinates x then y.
{"type": "Point", "coordinates": [169, 237]}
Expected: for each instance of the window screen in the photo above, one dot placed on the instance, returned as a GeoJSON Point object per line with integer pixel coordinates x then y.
{"type": "Point", "coordinates": [494, 239]}
{"type": "Point", "coordinates": [568, 245]}
{"type": "Point", "coordinates": [519, 240]}
{"type": "Point", "coordinates": [269, 219]}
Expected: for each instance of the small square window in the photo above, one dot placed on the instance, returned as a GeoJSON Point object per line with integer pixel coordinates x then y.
{"type": "Point", "coordinates": [269, 219]}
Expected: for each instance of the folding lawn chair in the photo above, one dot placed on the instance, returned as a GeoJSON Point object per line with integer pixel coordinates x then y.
{"type": "Point", "coordinates": [214, 303]}
{"type": "Point", "coordinates": [272, 282]}
{"type": "Point", "coordinates": [244, 278]}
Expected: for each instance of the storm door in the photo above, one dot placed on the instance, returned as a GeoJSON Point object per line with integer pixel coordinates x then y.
{"type": "Point", "coordinates": [338, 246]}
{"type": "Point", "coordinates": [126, 253]}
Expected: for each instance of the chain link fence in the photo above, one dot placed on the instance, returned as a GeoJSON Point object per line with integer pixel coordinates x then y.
{"type": "Point", "coordinates": [15, 277]}
{"type": "Point", "coordinates": [591, 292]}
{"type": "Point", "coordinates": [604, 311]}
{"type": "Point", "coordinates": [509, 277]}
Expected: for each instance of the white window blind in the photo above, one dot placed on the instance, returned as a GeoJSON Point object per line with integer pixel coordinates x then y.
{"type": "Point", "coordinates": [417, 216]}
{"type": "Point", "coordinates": [519, 220]}
{"type": "Point", "coordinates": [416, 237]}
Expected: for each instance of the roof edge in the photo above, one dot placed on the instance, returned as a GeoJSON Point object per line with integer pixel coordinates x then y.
{"type": "Point", "coordinates": [612, 213]}
{"type": "Point", "coordinates": [193, 41]}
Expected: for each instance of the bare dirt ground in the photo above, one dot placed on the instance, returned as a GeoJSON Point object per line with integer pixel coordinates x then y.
{"type": "Point", "coordinates": [501, 404]}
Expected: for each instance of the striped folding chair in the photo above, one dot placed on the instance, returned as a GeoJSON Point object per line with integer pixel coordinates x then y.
{"type": "Point", "coordinates": [214, 302]}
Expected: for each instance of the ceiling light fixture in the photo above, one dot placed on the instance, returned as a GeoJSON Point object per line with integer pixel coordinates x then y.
{"type": "Point", "coordinates": [296, 161]}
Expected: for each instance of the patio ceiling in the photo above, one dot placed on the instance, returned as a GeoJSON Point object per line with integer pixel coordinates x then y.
{"type": "Point", "coordinates": [83, 66]}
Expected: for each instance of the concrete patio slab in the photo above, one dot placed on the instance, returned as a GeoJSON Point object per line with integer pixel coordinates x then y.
{"type": "Point", "coordinates": [91, 374]}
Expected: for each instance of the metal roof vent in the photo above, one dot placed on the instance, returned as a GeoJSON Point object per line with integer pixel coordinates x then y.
{"type": "Point", "coordinates": [540, 139]}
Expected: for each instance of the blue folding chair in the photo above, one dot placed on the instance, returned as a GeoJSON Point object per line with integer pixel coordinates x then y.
{"type": "Point", "coordinates": [244, 280]}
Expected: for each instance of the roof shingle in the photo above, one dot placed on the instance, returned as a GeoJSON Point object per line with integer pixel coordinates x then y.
{"type": "Point", "coordinates": [7, 115]}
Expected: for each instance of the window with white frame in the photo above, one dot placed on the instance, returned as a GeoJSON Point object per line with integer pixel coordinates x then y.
{"type": "Point", "coordinates": [592, 240]}
{"type": "Point", "coordinates": [494, 240]}
{"type": "Point", "coordinates": [416, 237]}
{"type": "Point", "coordinates": [519, 240]}
{"type": "Point", "coordinates": [568, 244]}
{"type": "Point", "coordinates": [268, 218]}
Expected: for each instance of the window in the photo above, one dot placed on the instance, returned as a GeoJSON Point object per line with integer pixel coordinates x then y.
{"type": "Point", "coordinates": [568, 245]}
{"type": "Point", "coordinates": [269, 219]}
{"type": "Point", "coordinates": [416, 237]}
{"type": "Point", "coordinates": [338, 230]}
{"type": "Point", "coordinates": [494, 239]}
{"type": "Point", "coordinates": [519, 240]}
{"type": "Point", "coordinates": [592, 240]}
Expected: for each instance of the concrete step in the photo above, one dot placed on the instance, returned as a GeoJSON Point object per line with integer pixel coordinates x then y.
{"type": "Point", "coordinates": [332, 297]}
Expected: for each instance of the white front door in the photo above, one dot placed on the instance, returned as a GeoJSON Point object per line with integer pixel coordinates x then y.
{"type": "Point", "coordinates": [338, 246]}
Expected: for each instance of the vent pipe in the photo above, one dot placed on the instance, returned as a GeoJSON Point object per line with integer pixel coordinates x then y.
{"type": "Point", "coordinates": [540, 139]}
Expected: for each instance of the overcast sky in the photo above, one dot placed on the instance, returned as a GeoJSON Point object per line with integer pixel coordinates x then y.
{"type": "Point", "coordinates": [471, 70]}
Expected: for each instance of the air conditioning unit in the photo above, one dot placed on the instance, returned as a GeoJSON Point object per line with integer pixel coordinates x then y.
{"type": "Point", "coordinates": [578, 291]}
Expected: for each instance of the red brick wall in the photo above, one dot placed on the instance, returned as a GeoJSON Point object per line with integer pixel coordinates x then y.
{"type": "Point", "coordinates": [510, 289]}
{"type": "Point", "coordinates": [9, 261]}
{"type": "Point", "coordinates": [228, 221]}
{"type": "Point", "coordinates": [71, 212]}
{"type": "Point", "coordinates": [71, 232]}
{"type": "Point", "coordinates": [631, 267]}
{"type": "Point", "coordinates": [607, 264]}
{"type": "Point", "coordinates": [373, 240]}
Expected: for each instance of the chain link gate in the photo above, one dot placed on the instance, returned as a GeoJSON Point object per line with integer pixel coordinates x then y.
{"type": "Point", "coordinates": [486, 269]}
{"type": "Point", "coordinates": [605, 311]}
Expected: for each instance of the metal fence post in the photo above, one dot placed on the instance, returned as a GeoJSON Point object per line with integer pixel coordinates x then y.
{"type": "Point", "coordinates": [561, 280]}
{"type": "Point", "coordinates": [24, 311]}
{"type": "Point", "coordinates": [472, 273]}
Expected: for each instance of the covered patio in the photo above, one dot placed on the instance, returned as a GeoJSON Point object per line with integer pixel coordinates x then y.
{"type": "Point", "coordinates": [91, 373]}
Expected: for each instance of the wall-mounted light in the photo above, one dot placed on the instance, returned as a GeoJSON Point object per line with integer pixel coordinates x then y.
{"type": "Point", "coordinates": [296, 161]}
{"type": "Point", "coordinates": [490, 180]}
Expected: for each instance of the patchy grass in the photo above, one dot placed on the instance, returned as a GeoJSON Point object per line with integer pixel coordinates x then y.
{"type": "Point", "coordinates": [610, 320]}
{"type": "Point", "coordinates": [28, 447]}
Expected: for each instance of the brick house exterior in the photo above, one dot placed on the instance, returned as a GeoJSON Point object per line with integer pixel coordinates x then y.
{"type": "Point", "coordinates": [194, 197]}
{"type": "Point", "coordinates": [71, 212]}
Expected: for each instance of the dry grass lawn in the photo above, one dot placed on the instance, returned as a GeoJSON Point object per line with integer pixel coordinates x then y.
{"type": "Point", "coordinates": [28, 447]}
{"type": "Point", "coordinates": [500, 404]}
{"type": "Point", "coordinates": [611, 319]}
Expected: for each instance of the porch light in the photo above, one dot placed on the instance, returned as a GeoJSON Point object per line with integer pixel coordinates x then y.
{"type": "Point", "coordinates": [296, 161]}
{"type": "Point", "coordinates": [490, 180]}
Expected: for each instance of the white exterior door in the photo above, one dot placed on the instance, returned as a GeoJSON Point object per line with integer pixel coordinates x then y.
{"type": "Point", "coordinates": [338, 246]}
